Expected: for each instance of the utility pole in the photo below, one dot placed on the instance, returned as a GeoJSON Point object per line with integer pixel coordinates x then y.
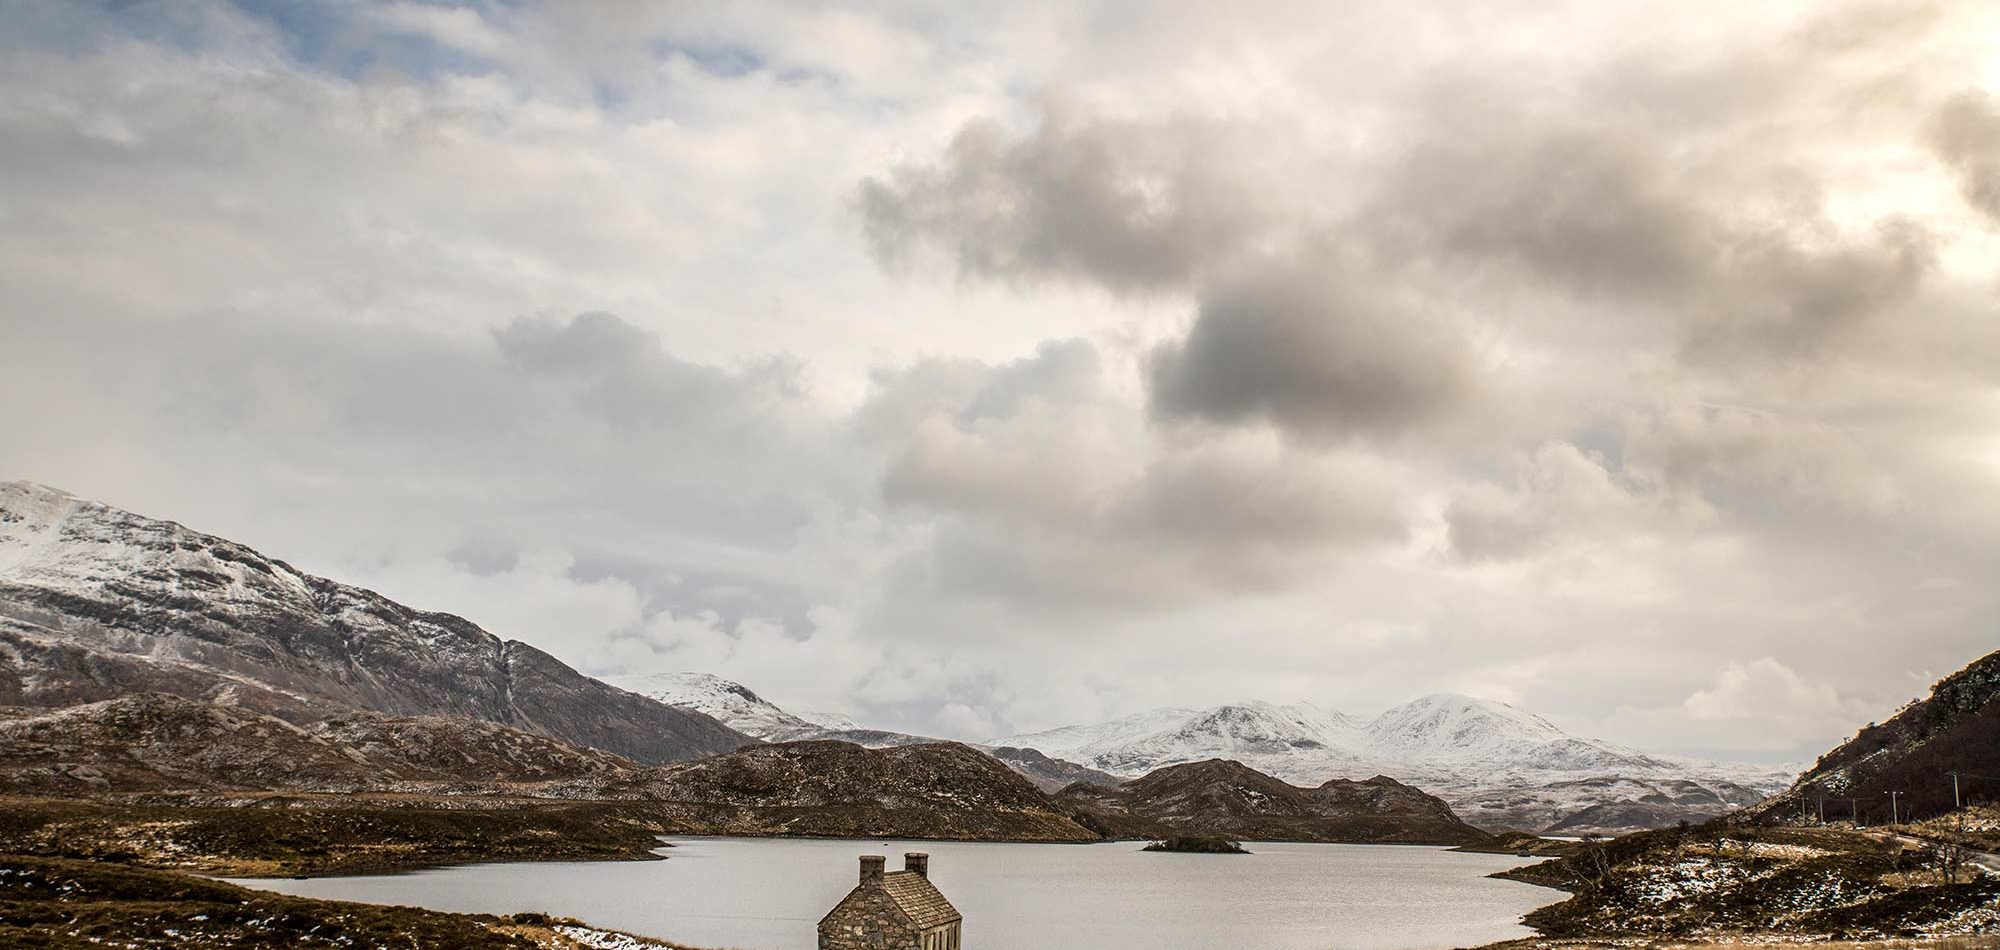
{"type": "Point", "coordinates": [1955, 803]}
{"type": "Point", "coordinates": [1892, 808]}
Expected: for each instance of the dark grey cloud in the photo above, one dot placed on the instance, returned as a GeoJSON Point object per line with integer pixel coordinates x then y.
{"type": "Point", "coordinates": [1789, 293]}
{"type": "Point", "coordinates": [1966, 134]}
{"type": "Point", "coordinates": [1580, 208]}
{"type": "Point", "coordinates": [1733, 255]}
{"type": "Point", "coordinates": [1314, 348]}
{"type": "Point", "coordinates": [1133, 206]}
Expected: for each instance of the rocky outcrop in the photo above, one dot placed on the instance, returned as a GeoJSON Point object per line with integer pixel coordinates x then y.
{"type": "Point", "coordinates": [1048, 774]}
{"type": "Point", "coordinates": [939, 790]}
{"type": "Point", "coordinates": [1724, 882]}
{"type": "Point", "coordinates": [1229, 799]}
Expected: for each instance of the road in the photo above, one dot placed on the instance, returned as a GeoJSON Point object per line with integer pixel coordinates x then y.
{"type": "Point", "coordinates": [1990, 862]}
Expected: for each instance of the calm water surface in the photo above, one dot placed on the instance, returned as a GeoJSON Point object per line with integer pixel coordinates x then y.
{"type": "Point", "coordinates": [767, 894]}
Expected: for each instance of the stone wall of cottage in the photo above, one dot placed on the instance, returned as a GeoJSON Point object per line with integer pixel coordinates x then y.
{"type": "Point", "coordinates": [867, 920]}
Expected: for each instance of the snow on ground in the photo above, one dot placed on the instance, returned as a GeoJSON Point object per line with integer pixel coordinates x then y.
{"type": "Point", "coordinates": [608, 939]}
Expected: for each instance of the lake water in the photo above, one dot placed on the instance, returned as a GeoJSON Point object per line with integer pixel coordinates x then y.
{"type": "Point", "coordinates": [769, 893]}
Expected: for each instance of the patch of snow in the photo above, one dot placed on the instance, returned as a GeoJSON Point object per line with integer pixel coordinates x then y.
{"type": "Point", "coordinates": [608, 939]}
{"type": "Point", "coordinates": [730, 703]}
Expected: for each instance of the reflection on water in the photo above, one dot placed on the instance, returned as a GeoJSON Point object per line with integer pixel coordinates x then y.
{"type": "Point", "coordinates": [767, 894]}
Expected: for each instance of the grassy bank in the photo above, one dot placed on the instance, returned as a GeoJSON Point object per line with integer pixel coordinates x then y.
{"type": "Point", "coordinates": [276, 836]}
{"type": "Point", "coordinates": [62, 904]}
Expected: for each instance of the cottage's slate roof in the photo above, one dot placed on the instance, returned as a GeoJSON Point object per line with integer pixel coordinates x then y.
{"type": "Point", "coordinates": [916, 896]}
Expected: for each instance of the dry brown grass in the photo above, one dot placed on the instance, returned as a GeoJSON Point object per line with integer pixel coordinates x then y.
{"type": "Point", "coordinates": [1747, 943]}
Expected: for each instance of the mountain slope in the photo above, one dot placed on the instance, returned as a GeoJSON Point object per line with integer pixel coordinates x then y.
{"type": "Point", "coordinates": [1230, 799]}
{"type": "Point", "coordinates": [96, 603]}
{"type": "Point", "coordinates": [1954, 729]}
{"type": "Point", "coordinates": [1048, 774]}
{"type": "Point", "coordinates": [156, 742]}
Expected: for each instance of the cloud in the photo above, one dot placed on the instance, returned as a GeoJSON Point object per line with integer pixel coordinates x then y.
{"type": "Point", "coordinates": [1132, 205]}
{"type": "Point", "coordinates": [1318, 349]}
{"type": "Point", "coordinates": [1694, 450]}
{"type": "Point", "coordinates": [1669, 219]}
{"type": "Point", "coordinates": [1966, 134]}
{"type": "Point", "coordinates": [1759, 707]}
{"type": "Point", "coordinates": [995, 367]}
{"type": "Point", "coordinates": [1562, 495]}
{"type": "Point", "coordinates": [1043, 487]}
{"type": "Point", "coordinates": [1771, 704]}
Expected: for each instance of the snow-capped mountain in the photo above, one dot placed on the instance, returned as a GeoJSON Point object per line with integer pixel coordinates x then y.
{"type": "Point", "coordinates": [1497, 764]}
{"type": "Point", "coordinates": [1301, 736]}
{"type": "Point", "coordinates": [834, 721]}
{"type": "Point", "coordinates": [733, 704]}
{"type": "Point", "coordinates": [97, 603]}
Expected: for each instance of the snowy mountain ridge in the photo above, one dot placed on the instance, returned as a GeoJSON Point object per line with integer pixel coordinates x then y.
{"type": "Point", "coordinates": [1440, 734]}
{"type": "Point", "coordinates": [1498, 765]}
{"type": "Point", "coordinates": [732, 704]}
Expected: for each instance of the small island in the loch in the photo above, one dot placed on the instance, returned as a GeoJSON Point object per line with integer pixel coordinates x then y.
{"type": "Point", "coordinates": [1197, 844]}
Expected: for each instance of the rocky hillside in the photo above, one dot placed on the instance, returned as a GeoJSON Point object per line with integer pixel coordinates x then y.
{"type": "Point", "coordinates": [1719, 881]}
{"type": "Point", "coordinates": [1232, 800]}
{"type": "Point", "coordinates": [1954, 729]}
{"type": "Point", "coordinates": [1498, 766]}
{"type": "Point", "coordinates": [172, 748]}
{"type": "Point", "coordinates": [939, 790]}
{"type": "Point", "coordinates": [156, 742]}
{"type": "Point", "coordinates": [98, 603]}
{"type": "Point", "coordinates": [1048, 774]}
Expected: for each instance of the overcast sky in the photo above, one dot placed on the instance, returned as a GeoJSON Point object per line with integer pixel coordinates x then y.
{"type": "Point", "coordinates": [981, 368]}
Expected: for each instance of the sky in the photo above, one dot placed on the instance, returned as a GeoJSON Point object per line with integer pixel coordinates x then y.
{"type": "Point", "coordinates": [975, 369]}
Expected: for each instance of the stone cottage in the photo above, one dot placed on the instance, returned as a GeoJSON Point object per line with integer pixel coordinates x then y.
{"type": "Point", "coordinates": [899, 911]}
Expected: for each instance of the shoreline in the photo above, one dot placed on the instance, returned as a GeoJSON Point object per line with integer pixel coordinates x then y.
{"type": "Point", "coordinates": [262, 836]}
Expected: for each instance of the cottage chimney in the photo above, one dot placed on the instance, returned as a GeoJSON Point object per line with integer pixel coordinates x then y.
{"type": "Point", "coordinates": [919, 862]}
{"type": "Point", "coordinates": [871, 868]}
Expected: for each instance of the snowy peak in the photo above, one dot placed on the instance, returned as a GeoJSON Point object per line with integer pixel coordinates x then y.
{"type": "Point", "coordinates": [1266, 727]}
{"type": "Point", "coordinates": [1082, 742]}
{"type": "Point", "coordinates": [1484, 756]}
{"type": "Point", "coordinates": [1458, 727]}
{"type": "Point", "coordinates": [52, 540]}
{"type": "Point", "coordinates": [831, 721]}
{"type": "Point", "coordinates": [731, 703]}
{"type": "Point", "coordinates": [1315, 741]}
